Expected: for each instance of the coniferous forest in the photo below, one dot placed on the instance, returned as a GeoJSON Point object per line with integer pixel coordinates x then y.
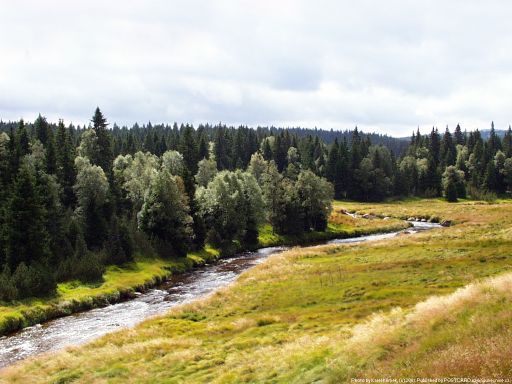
{"type": "Point", "coordinates": [76, 199]}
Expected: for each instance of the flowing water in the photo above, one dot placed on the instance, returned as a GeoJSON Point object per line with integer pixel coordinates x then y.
{"type": "Point", "coordinates": [85, 326]}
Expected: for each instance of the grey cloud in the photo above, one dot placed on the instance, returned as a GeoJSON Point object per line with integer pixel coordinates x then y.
{"type": "Point", "coordinates": [387, 66]}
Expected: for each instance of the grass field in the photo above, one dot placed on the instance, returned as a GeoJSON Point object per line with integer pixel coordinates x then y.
{"type": "Point", "coordinates": [416, 305]}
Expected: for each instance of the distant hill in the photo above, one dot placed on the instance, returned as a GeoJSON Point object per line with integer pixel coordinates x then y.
{"type": "Point", "coordinates": [486, 132]}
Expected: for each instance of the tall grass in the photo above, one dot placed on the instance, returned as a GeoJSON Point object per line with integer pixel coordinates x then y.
{"type": "Point", "coordinates": [398, 344]}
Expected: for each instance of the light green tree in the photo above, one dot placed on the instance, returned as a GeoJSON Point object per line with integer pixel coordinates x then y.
{"type": "Point", "coordinates": [172, 161]}
{"type": "Point", "coordinates": [257, 166]}
{"type": "Point", "coordinates": [316, 195]}
{"type": "Point", "coordinates": [206, 171]}
{"type": "Point", "coordinates": [135, 175]}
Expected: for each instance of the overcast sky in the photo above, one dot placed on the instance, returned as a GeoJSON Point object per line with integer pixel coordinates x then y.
{"type": "Point", "coordinates": [386, 66]}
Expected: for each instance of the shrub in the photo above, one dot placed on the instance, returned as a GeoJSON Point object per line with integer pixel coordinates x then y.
{"type": "Point", "coordinates": [86, 268]}
{"type": "Point", "coordinates": [33, 280]}
{"type": "Point", "coordinates": [8, 291]}
{"type": "Point", "coordinates": [480, 194]}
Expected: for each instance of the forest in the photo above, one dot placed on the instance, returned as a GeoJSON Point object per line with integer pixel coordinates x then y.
{"type": "Point", "coordinates": [76, 199]}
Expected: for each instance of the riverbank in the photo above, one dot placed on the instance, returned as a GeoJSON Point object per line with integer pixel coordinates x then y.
{"type": "Point", "coordinates": [119, 283]}
{"type": "Point", "coordinates": [123, 282]}
{"type": "Point", "coordinates": [305, 315]}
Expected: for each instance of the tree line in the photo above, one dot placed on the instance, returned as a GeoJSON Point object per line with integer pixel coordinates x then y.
{"type": "Point", "coordinates": [75, 199]}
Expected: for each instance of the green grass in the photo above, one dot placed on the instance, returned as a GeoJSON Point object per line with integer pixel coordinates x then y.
{"type": "Point", "coordinates": [354, 228]}
{"type": "Point", "coordinates": [329, 313]}
{"type": "Point", "coordinates": [119, 282]}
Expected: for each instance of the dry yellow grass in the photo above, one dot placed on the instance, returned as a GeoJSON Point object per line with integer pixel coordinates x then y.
{"type": "Point", "coordinates": [390, 345]}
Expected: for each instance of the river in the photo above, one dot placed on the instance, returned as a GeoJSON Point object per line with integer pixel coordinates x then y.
{"type": "Point", "coordinates": [86, 326]}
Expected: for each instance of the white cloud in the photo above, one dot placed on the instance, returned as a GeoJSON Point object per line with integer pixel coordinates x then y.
{"type": "Point", "coordinates": [385, 66]}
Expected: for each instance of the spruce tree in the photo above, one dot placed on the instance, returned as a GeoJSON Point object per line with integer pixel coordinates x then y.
{"type": "Point", "coordinates": [22, 141]}
{"type": "Point", "coordinates": [507, 143]}
{"type": "Point", "coordinates": [448, 151]}
{"type": "Point", "coordinates": [332, 160]}
{"type": "Point", "coordinates": [279, 153]}
{"type": "Point", "coordinates": [490, 182]}
{"type": "Point", "coordinates": [42, 129]}
{"type": "Point", "coordinates": [66, 173]}
{"type": "Point", "coordinates": [51, 154]}
{"type": "Point", "coordinates": [203, 151]}
{"type": "Point", "coordinates": [105, 154]}
{"type": "Point", "coordinates": [222, 149]}
{"type": "Point", "coordinates": [26, 238]}
{"type": "Point", "coordinates": [189, 149]}
{"type": "Point", "coordinates": [459, 136]}
{"type": "Point", "coordinates": [267, 151]}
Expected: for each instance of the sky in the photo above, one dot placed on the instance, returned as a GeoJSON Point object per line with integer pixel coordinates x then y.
{"type": "Point", "coordinates": [385, 66]}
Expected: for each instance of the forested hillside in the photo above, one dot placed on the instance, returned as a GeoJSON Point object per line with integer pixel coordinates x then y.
{"type": "Point", "coordinates": [74, 200]}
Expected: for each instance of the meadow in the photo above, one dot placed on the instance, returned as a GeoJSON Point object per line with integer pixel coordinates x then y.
{"type": "Point", "coordinates": [432, 304]}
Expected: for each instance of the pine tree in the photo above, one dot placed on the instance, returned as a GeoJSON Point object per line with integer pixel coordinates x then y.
{"type": "Point", "coordinates": [459, 136]}
{"type": "Point", "coordinates": [332, 160]}
{"type": "Point", "coordinates": [222, 149]}
{"type": "Point", "coordinates": [66, 173]}
{"type": "Point", "coordinates": [51, 155]}
{"type": "Point", "coordinates": [42, 129]}
{"type": "Point", "coordinates": [279, 153]}
{"type": "Point", "coordinates": [130, 145]}
{"type": "Point", "coordinates": [26, 239]}
{"type": "Point", "coordinates": [507, 143]}
{"type": "Point", "coordinates": [203, 151]}
{"type": "Point", "coordinates": [105, 154]}
{"type": "Point", "coordinates": [161, 147]}
{"type": "Point", "coordinates": [493, 143]}
{"type": "Point", "coordinates": [490, 182]}
{"type": "Point", "coordinates": [434, 147]}
{"type": "Point", "coordinates": [448, 151]}
{"type": "Point", "coordinates": [22, 141]}
{"type": "Point", "coordinates": [189, 149]}
{"type": "Point", "coordinates": [267, 151]}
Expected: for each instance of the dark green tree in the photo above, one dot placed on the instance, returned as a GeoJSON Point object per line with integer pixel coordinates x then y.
{"type": "Point", "coordinates": [27, 239]}
{"type": "Point", "coordinates": [105, 154]}
{"type": "Point", "coordinates": [66, 173]}
{"type": "Point", "coordinates": [507, 143]}
{"type": "Point", "coordinates": [459, 136]}
{"type": "Point", "coordinates": [448, 151]}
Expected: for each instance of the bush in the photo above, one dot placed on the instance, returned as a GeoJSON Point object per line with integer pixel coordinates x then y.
{"type": "Point", "coordinates": [87, 268]}
{"type": "Point", "coordinates": [29, 281]}
{"type": "Point", "coordinates": [480, 194]}
{"type": "Point", "coordinates": [8, 291]}
{"type": "Point", "coordinates": [431, 193]}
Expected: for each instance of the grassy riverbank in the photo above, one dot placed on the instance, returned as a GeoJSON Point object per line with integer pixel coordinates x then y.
{"type": "Point", "coordinates": [119, 283]}
{"type": "Point", "coordinates": [329, 313]}
{"type": "Point", "coordinates": [122, 282]}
